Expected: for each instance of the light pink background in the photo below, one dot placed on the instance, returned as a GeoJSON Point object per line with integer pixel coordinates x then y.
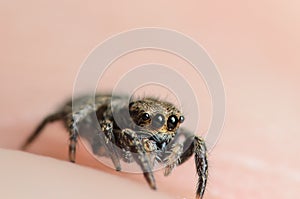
{"type": "Point", "coordinates": [254, 43]}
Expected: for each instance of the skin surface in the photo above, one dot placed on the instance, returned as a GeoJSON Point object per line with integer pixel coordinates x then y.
{"type": "Point", "coordinates": [62, 180]}
{"type": "Point", "coordinates": [255, 45]}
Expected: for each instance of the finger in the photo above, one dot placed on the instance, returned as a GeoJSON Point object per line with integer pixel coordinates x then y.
{"type": "Point", "coordinates": [30, 176]}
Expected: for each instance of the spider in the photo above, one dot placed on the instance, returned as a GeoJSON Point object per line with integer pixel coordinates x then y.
{"type": "Point", "coordinates": [150, 134]}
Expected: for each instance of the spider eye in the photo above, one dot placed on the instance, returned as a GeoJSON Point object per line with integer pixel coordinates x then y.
{"type": "Point", "coordinates": [145, 116]}
{"type": "Point", "coordinates": [181, 119]}
{"type": "Point", "coordinates": [172, 122]}
{"type": "Point", "coordinates": [158, 121]}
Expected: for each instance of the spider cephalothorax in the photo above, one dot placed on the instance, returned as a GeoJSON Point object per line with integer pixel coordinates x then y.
{"type": "Point", "coordinates": [148, 134]}
{"type": "Point", "coordinates": [160, 118]}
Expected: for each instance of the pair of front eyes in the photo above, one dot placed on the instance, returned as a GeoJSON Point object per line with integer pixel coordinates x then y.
{"type": "Point", "coordinates": [159, 120]}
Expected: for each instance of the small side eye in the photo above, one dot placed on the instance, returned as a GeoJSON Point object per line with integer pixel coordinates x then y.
{"type": "Point", "coordinates": [172, 122]}
{"type": "Point", "coordinates": [145, 116]}
{"type": "Point", "coordinates": [158, 121]}
{"type": "Point", "coordinates": [181, 119]}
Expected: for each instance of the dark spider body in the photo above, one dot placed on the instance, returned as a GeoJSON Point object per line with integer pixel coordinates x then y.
{"type": "Point", "coordinates": [149, 135]}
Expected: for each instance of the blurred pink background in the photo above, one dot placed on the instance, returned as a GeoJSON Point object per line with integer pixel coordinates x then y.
{"type": "Point", "coordinates": [255, 45]}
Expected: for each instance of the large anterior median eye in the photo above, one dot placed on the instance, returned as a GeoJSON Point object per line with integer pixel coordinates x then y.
{"type": "Point", "coordinates": [158, 121]}
{"type": "Point", "coordinates": [172, 122]}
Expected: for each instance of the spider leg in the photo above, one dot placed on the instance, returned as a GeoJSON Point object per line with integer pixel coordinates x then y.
{"type": "Point", "coordinates": [105, 137]}
{"type": "Point", "coordinates": [173, 159]}
{"type": "Point", "coordinates": [143, 150]}
{"type": "Point", "coordinates": [178, 153]}
{"type": "Point", "coordinates": [192, 145]}
{"type": "Point", "coordinates": [201, 165]}
{"type": "Point", "coordinates": [105, 140]}
{"type": "Point", "coordinates": [110, 142]}
{"type": "Point", "coordinates": [40, 127]}
{"type": "Point", "coordinates": [72, 120]}
{"type": "Point", "coordinates": [72, 145]}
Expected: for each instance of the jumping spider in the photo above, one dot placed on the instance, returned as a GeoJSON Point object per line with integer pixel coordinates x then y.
{"type": "Point", "coordinates": [150, 135]}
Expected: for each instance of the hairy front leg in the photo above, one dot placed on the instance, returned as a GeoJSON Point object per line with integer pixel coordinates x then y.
{"type": "Point", "coordinates": [143, 149]}
{"type": "Point", "coordinates": [201, 165]}
{"type": "Point", "coordinates": [177, 153]}
{"type": "Point", "coordinates": [173, 159]}
{"type": "Point", "coordinates": [110, 142]}
{"type": "Point", "coordinates": [192, 145]}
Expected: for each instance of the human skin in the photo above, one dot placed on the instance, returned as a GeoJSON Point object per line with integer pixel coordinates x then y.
{"type": "Point", "coordinates": [255, 46]}
{"type": "Point", "coordinates": [41, 177]}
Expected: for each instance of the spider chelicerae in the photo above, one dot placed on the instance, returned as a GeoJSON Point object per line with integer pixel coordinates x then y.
{"type": "Point", "coordinates": [145, 131]}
